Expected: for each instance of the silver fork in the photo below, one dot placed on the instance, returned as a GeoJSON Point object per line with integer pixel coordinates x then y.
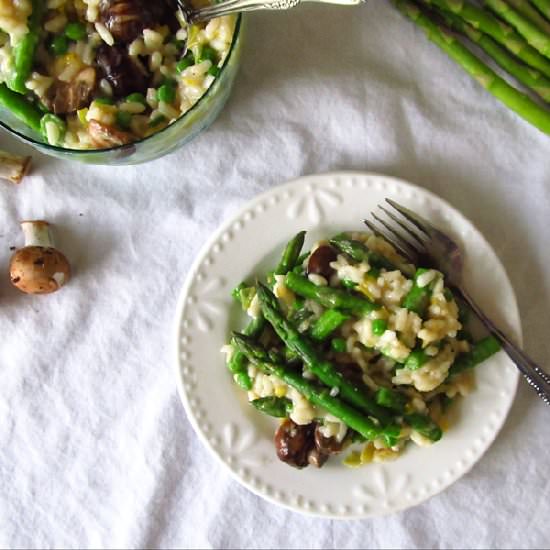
{"type": "Point", "coordinates": [195, 15]}
{"type": "Point", "coordinates": [427, 246]}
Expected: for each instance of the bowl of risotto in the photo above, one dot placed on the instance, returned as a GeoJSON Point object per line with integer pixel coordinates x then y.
{"type": "Point", "coordinates": [112, 81]}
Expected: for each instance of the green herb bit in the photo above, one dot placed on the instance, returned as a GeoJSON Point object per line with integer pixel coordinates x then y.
{"type": "Point", "coordinates": [59, 45]}
{"type": "Point", "coordinates": [123, 119]}
{"type": "Point", "coordinates": [379, 326]}
{"type": "Point", "coordinates": [208, 53]}
{"type": "Point", "coordinates": [75, 31]}
{"type": "Point", "coordinates": [416, 359]}
{"type": "Point", "coordinates": [159, 119]}
{"type": "Point", "coordinates": [136, 97]}
{"type": "Point", "coordinates": [104, 100]}
{"type": "Point", "coordinates": [338, 345]}
{"type": "Point", "coordinates": [166, 93]}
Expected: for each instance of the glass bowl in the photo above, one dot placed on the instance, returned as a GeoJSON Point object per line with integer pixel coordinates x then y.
{"type": "Point", "coordinates": [183, 130]}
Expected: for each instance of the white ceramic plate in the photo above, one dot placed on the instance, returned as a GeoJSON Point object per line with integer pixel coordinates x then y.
{"type": "Point", "coordinates": [241, 438]}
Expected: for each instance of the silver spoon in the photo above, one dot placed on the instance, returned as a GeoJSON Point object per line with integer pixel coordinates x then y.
{"type": "Point", "coordinates": [196, 15]}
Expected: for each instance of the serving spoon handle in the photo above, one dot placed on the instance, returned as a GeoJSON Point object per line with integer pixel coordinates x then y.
{"type": "Point", "coordinates": [196, 15]}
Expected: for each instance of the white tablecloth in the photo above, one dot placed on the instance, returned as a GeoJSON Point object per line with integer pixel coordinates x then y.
{"type": "Point", "coordinates": [95, 448]}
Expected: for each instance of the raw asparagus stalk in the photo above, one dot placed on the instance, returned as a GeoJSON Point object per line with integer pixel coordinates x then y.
{"type": "Point", "coordinates": [317, 396]}
{"type": "Point", "coordinates": [543, 6]}
{"type": "Point", "coordinates": [518, 102]}
{"type": "Point", "coordinates": [324, 370]}
{"type": "Point", "coordinates": [527, 10]}
{"type": "Point", "coordinates": [486, 22]}
{"type": "Point", "coordinates": [534, 36]}
{"type": "Point", "coordinates": [327, 296]}
{"type": "Point", "coordinates": [529, 77]}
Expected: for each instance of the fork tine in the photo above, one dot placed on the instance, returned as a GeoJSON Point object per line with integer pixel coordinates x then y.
{"type": "Point", "coordinates": [409, 254]}
{"type": "Point", "coordinates": [403, 226]}
{"type": "Point", "coordinates": [405, 243]}
{"type": "Point", "coordinates": [415, 219]}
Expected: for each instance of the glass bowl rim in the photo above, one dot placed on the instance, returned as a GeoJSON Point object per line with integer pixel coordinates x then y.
{"type": "Point", "coordinates": [91, 152]}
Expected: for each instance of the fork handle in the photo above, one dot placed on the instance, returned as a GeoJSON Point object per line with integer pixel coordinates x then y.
{"type": "Point", "coordinates": [233, 6]}
{"type": "Point", "coordinates": [538, 379]}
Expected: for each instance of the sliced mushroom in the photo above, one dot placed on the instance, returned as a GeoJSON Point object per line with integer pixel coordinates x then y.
{"type": "Point", "coordinates": [13, 167]}
{"type": "Point", "coordinates": [317, 458]}
{"type": "Point", "coordinates": [104, 136]}
{"type": "Point", "coordinates": [68, 97]}
{"type": "Point", "coordinates": [327, 445]}
{"type": "Point", "coordinates": [320, 259]}
{"type": "Point", "coordinates": [123, 73]}
{"type": "Point", "coordinates": [38, 268]}
{"type": "Point", "coordinates": [351, 372]}
{"type": "Point", "coordinates": [126, 19]}
{"type": "Point", "coordinates": [294, 442]}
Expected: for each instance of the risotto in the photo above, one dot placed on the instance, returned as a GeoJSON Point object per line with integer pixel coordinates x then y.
{"type": "Point", "coordinates": [94, 74]}
{"type": "Point", "coordinates": [348, 343]}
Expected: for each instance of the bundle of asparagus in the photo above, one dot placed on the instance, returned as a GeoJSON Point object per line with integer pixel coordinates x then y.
{"type": "Point", "coordinates": [514, 33]}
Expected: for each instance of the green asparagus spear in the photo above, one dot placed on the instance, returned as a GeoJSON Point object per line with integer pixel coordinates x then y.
{"type": "Point", "coordinates": [512, 98]}
{"type": "Point", "coordinates": [317, 396]}
{"type": "Point", "coordinates": [534, 36]}
{"type": "Point", "coordinates": [531, 13]}
{"type": "Point", "coordinates": [484, 21]}
{"type": "Point", "coordinates": [327, 296]}
{"type": "Point", "coordinates": [24, 110]}
{"type": "Point", "coordinates": [391, 399]}
{"type": "Point", "coordinates": [238, 364]}
{"type": "Point", "coordinates": [418, 298]}
{"type": "Point", "coordinates": [329, 321]}
{"type": "Point", "coordinates": [291, 254]}
{"type": "Point", "coordinates": [24, 51]}
{"type": "Point", "coordinates": [360, 253]}
{"type": "Point", "coordinates": [481, 351]}
{"type": "Point", "coordinates": [528, 76]}
{"type": "Point", "coordinates": [324, 370]}
{"type": "Point", "coordinates": [424, 425]}
{"type": "Point", "coordinates": [543, 6]}
{"type": "Point", "coordinates": [279, 407]}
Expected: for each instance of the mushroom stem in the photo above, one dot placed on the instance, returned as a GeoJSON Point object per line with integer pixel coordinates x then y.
{"type": "Point", "coordinates": [37, 233]}
{"type": "Point", "coordinates": [13, 167]}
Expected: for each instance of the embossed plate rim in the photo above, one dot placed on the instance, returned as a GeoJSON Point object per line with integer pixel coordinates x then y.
{"type": "Point", "coordinates": [379, 490]}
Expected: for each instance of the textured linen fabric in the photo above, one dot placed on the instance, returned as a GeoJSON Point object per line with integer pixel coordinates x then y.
{"type": "Point", "coordinates": [95, 447]}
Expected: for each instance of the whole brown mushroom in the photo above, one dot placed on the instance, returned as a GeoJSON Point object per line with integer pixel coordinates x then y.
{"type": "Point", "coordinates": [38, 267]}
